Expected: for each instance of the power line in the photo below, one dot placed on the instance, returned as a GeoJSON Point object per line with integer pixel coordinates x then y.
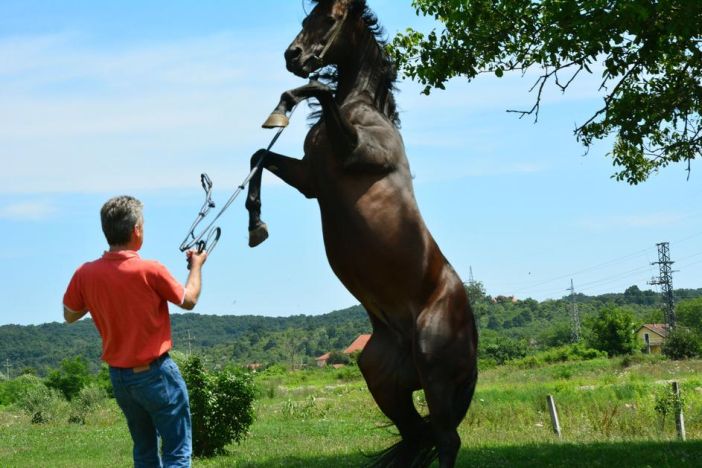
{"type": "Point", "coordinates": [594, 267]}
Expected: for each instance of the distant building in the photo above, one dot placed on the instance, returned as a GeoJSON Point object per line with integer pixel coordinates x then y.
{"type": "Point", "coordinates": [653, 336]}
{"type": "Point", "coordinates": [358, 344]}
{"type": "Point", "coordinates": [322, 360]}
{"type": "Point", "coordinates": [253, 366]}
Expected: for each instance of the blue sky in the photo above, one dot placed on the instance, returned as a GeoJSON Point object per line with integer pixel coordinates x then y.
{"type": "Point", "coordinates": [104, 98]}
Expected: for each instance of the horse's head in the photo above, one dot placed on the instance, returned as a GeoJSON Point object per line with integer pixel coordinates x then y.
{"type": "Point", "coordinates": [328, 29]}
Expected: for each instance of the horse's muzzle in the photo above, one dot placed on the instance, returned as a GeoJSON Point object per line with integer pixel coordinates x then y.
{"type": "Point", "coordinates": [299, 63]}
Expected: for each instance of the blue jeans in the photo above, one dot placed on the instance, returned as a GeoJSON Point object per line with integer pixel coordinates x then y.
{"type": "Point", "coordinates": [155, 403]}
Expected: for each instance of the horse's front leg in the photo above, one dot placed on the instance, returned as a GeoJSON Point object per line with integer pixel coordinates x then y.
{"type": "Point", "coordinates": [294, 172]}
{"type": "Point", "coordinates": [338, 126]}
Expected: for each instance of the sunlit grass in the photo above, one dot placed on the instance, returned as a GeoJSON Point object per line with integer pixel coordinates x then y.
{"type": "Point", "coordinates": [328, 418]}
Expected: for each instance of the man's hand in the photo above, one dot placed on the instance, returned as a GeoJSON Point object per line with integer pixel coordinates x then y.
{"type": "Point", "coordinates": [194, 281]}
{"type": "Point", "coordinates": [195, 259]}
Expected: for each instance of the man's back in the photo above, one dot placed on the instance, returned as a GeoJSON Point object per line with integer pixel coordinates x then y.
{"type": "Point", "coordinates": [127, 298]}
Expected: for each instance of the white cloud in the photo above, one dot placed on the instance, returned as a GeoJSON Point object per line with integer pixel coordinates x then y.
{"type": "Point", "coordinates": [77, 119]}
{"type": "Point", "coordinates": [27, 211]}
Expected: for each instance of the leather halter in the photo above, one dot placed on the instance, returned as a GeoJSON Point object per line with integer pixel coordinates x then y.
{"type": "Point", "coordinates": [332, 34]}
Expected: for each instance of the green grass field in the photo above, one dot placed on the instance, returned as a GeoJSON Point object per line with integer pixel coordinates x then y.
{"type": "Point", "coordinates": [327, 418]}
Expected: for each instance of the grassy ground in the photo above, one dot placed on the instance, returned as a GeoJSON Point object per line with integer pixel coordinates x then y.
{"type": "Point", "coordinates": [327, 418]}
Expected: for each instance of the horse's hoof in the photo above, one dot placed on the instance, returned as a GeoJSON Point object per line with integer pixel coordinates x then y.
{"type": "Point", "coordinates": [258, 234]}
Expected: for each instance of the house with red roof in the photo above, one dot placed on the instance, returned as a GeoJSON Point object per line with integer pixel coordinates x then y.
{"type": "Point", "coordinates": [653, 336]}
{"type": "Point", "coordinates": [358, 344]}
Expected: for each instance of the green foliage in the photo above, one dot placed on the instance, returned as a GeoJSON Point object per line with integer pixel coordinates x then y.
{"type": "Point", "coordinates": [681, 343]}
{"type": "Point", "coordinates": [13, 390]}
{"type": "Point", "coordinates": [70, 378]}
{"type": "Point", "coordinates": [338, 357]}
{"type": "Point", "coordinates": [88, 400]}
{"type": "Point", "coordinates": [689, 314]}
{"type": "Point", "coordinates": [247, 339]}
{"type": "Point", "coordinates": [503, 350]}
{"type": "Point", "coordinates": [42, 403]}
{"type": "Point", "coordinates": [648, 55]}
{"type": "Point", "coordinates": [573, 352]}
{"type": "Point", "coordinates": [221, 403]}
{"type": "Point", "coordinates": [668, 403]}
{"type": "Point", "coordinates": [103, 380]}
{"type": "Point", "coordinates": [613, 331]}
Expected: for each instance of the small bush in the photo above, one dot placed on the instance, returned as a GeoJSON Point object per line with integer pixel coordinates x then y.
{"type": "Point", "coordinates": [681, 343]}
{"type": "Point", "coordinates": [12, 390]}
{"type": "Point", "coordinates": [88, 399]}
{"type": "Point", "coordinates": [612, 331]}
{"type": "Point", "coordinates": [221, 404]}
{"type": "Point", "coordinates": [338, 357]}
{"type": "Point", "coordinates": [43, 404]}
{"type": "Point", "coordinates": [668, 403]}
{"type": "Point", "coordinates": [568, 353]}
{"type": "Point", "coordinates": [70, 377]}
{"type": "Point", "coordinates": [348, 374]}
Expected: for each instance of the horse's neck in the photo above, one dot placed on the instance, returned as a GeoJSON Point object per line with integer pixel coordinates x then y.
{"type": "Point", "coordinates": [363, 72]}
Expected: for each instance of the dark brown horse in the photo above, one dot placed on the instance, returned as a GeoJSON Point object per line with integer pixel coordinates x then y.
{"type": "Point", "coordinates": [424, 334]}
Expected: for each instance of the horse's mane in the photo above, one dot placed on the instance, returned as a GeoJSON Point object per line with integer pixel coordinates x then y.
{"type": "Point", "coordinates": [384, 99]}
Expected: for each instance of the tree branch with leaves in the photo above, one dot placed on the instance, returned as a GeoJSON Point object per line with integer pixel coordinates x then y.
{"type": "Point", "coordinates": [649, 53]}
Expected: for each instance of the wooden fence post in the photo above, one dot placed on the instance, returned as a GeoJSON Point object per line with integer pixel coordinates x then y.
{"type": "Point", "coordinates": [554, 415]}
{"type": "Point", "coordinates": [679, 417]}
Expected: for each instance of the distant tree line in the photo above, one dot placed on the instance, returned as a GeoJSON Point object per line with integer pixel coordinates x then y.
{"type": "Point", "coordinates": [509, 328]}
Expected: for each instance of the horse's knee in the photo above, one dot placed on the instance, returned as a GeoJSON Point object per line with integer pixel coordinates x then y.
{"type": "Point", "coordinates": [257, 157]}
{"type": "Point", "coordinates": [253, 203]}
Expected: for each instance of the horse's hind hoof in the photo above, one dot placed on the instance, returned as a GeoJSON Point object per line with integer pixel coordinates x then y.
{"type": "Point", "coordinates": [258, 234]}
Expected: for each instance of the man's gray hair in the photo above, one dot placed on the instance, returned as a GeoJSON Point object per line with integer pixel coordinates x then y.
{"type": "Point", "coordinates": [119, 215]}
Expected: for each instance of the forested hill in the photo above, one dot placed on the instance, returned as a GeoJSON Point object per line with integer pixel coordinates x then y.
{"type": "Point", "coordinates": [243, 339]}
{"type": "Point", "coordinates": [299, 339]}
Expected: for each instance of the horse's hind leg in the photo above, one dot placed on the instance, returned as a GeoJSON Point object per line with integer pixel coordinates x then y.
{"type": "Point", "coordinates": [446, 360]}
{"type": "Point", "coordinates": [391, 379]}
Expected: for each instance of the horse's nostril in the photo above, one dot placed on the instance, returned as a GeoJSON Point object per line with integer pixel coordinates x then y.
{"type": "Point", "coordinates": [293, 53]}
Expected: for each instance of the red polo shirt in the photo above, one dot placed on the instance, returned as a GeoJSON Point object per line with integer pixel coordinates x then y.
{"type": "Point", "coordinates": [126, 297]}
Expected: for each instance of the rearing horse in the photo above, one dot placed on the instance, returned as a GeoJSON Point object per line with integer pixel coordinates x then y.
{"type": "Point", "coordinates": [424, 334]}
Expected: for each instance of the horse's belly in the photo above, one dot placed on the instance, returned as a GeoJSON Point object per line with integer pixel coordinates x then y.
{"type": "Point", "coordinates": [382, 264]}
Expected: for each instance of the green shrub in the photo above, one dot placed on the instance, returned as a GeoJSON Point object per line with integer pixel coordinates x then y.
{"type": "Point", "coordinates": [221, 404]}
{"type": "Point", "coordinates": [503, 350]}
{"type": "Point", "coordinates": [42, 403]}
{"type": "Point", "coordinates": [568, 353]}
{"type": "Point", "coordinates": [88, 399]}
{"type": "Point", "coordinates": [681, 343]}
{"type": "Point", "coordinates": [613, 331]}
{"type": "Point", "coordinates": [11, 391]}
{"type": "Point", "coordinates": [348, 373]}
{"type": "Point", "coordinates": [70, 377]}
{"type": "Point", "coordinates": [338, 357]}
{"type": "Point", "coordinates": [103, 380]}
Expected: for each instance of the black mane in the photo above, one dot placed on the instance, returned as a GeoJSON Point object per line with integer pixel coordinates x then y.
{"type": "Point", "coordinates": [388, 72]}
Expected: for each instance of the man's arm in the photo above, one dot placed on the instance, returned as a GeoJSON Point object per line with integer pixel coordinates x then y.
{"type": "Point", "coordinates": [71, 315]}
{"type": "Point", "coordinates": [194, 282]}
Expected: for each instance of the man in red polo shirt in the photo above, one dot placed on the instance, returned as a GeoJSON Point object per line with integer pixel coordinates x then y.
{"type": "Point", "coordinates": [127, 299]}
